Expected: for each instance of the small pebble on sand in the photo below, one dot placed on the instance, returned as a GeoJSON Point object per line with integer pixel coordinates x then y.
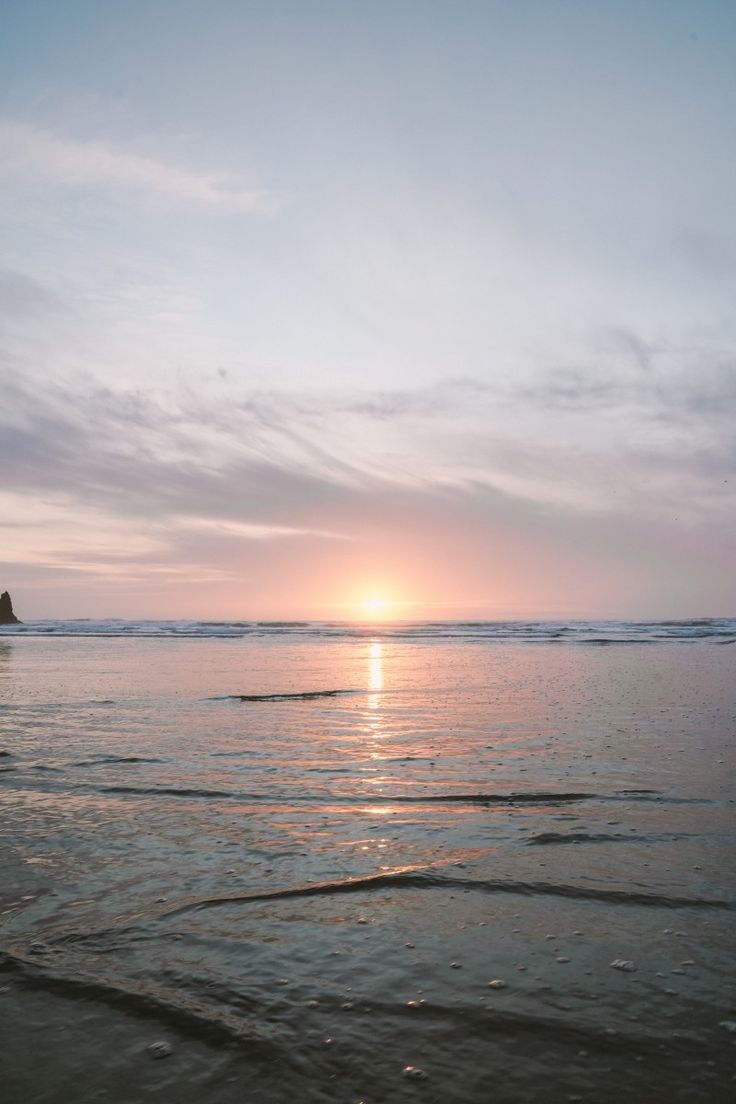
{"type": "Point", "coordinates": [455, 966]}
{"type": "Point", "coordinates": [624, 964]}
{"type": "Point", "coordinates": [497, 983]}
{"type": "Point", "coordinates": [414, 1072]}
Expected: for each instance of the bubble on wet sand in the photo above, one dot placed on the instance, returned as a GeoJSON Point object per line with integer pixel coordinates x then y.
{"type": "Point", "coordinates": [624, 964]}
{"type": "Point", "coordinates": [414, 1073]}
{"type": "Point", "coordinates": [159, 1049]}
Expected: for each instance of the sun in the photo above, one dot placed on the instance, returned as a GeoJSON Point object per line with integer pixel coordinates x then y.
{"type": "Point", "coordinates": [375, 606]}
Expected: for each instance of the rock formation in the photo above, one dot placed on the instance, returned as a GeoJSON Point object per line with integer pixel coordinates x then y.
{"type": "Point", "coordinates": [7, 617]}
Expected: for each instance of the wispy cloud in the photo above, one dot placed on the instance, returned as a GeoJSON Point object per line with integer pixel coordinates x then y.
{"type": "Point", "coordinates": [27, 151]}
{"type": "Point", "coordinates": [286, 463]}
{"type": "Point", "coordinates": [116, 492]}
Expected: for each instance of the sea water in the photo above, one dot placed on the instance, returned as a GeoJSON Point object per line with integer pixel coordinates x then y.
{"type": "Point", "coordinates": [300, 854]}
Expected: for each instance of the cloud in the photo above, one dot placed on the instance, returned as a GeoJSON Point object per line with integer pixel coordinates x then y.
{"type": "Point", "coordinates": [29, 152]}
{"type": "Point", "coordinates": [664, 385]}
{"type": "Point", "coordinates": [276, 465]}
{"type": "Point", "coordinates": [285, 496]}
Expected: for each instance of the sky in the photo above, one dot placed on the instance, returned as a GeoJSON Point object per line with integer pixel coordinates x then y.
{"type": "Point", "coordinates": [310, 305]}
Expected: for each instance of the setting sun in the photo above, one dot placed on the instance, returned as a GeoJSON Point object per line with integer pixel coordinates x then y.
{"type": "Point", "coordinates": [376, 606]}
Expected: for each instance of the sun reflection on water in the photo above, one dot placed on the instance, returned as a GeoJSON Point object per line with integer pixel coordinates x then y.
{"type": "Point", "coordinates": [374, 717]}
{"type": "Point", "coordinates": [375, 673]}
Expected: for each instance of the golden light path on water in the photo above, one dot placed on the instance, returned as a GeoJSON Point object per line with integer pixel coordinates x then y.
{"type": "Point", "coordinates": [374, 718]}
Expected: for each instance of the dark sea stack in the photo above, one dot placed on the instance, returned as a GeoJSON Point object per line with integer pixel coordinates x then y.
{"type": "Point", "coordinates": [7, 617]}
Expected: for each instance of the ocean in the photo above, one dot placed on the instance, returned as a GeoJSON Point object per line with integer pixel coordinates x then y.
{"type": "Point", "coordinates": [459, 862]}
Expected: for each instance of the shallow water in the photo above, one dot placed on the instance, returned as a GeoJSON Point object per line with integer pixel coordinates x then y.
{"type": "Point", "coordinates": [310, 852]}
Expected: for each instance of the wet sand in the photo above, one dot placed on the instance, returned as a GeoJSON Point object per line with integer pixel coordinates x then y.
{"type": "Point", "coordinates": [304, 894]}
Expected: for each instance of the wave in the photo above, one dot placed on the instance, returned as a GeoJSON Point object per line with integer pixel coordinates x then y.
{"type": "Point", "coordinates": [545, 798]}
{"type": "Point", "coordinates": [424, 880]}
{"type": "Point", "coordinates": [521, 797]}
{"type": "Point", "coordinates": [176, 791]}
{"type": "Point", "coordinates": [152, 1001]}
{"type": "Point", "coordinates": [302, 695]}
{"type": "Point", "coordinates": [405, 878]}
{"type": "Point", "coordinates": [107, 759]}
{"type": "Point", "coordinates": [719, 630]}
{"type": "Point", "coordinates": [547, 838]}
{"type": "Point", "coordinates": [207, 1016]}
